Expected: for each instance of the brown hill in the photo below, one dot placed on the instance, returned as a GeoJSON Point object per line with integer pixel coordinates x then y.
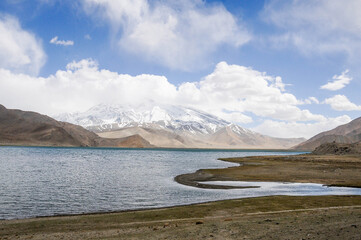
{"type": "Point", "coordinates": [29, 128]}
{"type": "Point", "coordinates": [338, 148]}
{"type": "Point", "coordinates": [347, 133]}
{"type": "Point", "coordinates": [156, 137]}
{"type": "Point", "coordinates": [235, 136]}
{"type": "Point", "coordinates": [134, 141]}
{"type": "Point", "coordinates": [229, 137]}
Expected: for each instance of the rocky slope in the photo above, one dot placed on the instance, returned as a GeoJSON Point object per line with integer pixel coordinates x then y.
{"type": "Point", "coordinates": [234, 135]}
{"type": "Point", "coordinates": [29, 128]}
{"type": "Point", "coordinates": [172, 126]}
{"type": "Point", "coordinates": [347, 133]}
{"type": "Point", "coordinates": [157, 137]}
{"type": "Point", "coordinates": [338, 148]}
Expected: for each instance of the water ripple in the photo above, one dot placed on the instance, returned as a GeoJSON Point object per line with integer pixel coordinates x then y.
{"type": "Point", "coordinates": [52, 181]}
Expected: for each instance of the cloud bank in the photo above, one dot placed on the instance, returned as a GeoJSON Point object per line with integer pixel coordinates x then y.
{"type": "Point", "coordinates": [234, 88]}
{"type": "Point", "coordinates": [299, 129]}
{"type": "Point", "coordinates": [342, 103]}
{"type": "Point", "coordinates": [175, 34]}
{"type": "Point", "coordinates": [233, 92]}
{"type": "Point", "coordinates": [20, 50]}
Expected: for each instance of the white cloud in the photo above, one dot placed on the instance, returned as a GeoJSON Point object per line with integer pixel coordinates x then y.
{"type": "Point", "coordinates": [324, 26]}
{"type": "Point", "coordinates": [81, 86]}
{"type": "Point", "coordinates": [309, 100]}
{"type": "Point", "coordinates": [20, 50]}
{"type": "Point", "coordinates": [233, 88]}
{"type": "Point", "coordinates": [314, 100]}
{"type": "Point", "coordinates": [235, 117]}
{"type": "Point", "coordinates": [296, 129]}
{"type": "Point", "coordinates": [87, 37]}
{"type": "Point", "coordinates": [339, 82]}
{"type": "Point", "coordinates": [56, 41]}
{"type": "Point", "coordinates": [176, 34]}
{"type": "Point", "coordinates": [341, 103]}
{"type": "Point", "coordinates": [231, 92]}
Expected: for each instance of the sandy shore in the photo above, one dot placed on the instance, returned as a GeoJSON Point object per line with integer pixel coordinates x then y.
{"type": "Point", "coordinates": [276, 217]}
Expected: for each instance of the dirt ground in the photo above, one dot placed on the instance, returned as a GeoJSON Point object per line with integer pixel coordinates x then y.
{"type": "Point", "coordinates": [332, 170]}
{"type": "Point", "coordinates": [277, 217]}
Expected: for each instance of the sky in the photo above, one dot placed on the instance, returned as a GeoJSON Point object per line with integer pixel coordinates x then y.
{"type": "Point", "coordinates": [284, 68]}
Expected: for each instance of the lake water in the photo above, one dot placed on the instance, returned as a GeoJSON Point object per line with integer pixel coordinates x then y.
{"type": "Point", "coordinates": [37, 181]}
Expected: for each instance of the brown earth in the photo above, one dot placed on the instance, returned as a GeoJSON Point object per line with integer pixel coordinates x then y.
{"type": "Point", "coordinates": [332, 170]}
{"type": "Point", "coordinates": [338, 148]}
{"type": "Point", "coordinates": [224, 138]}
{"type": "Point", "coordinates": [277, 217]}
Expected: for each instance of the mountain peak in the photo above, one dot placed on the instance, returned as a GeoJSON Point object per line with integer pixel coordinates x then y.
{"type": "Point", "coordinates": [105, 117]}
{"type": "Point", "coordinates": [171, 126]}
{"type": "Point", "coordinates": [238, 129]}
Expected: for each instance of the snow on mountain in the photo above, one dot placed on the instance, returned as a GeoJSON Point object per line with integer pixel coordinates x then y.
{"type": "Point", "coordinates": [240, 130]}
{"type": "Point", "coordinates": [171, 126]}
{"type": "Point", "coordinates": [176, 118]}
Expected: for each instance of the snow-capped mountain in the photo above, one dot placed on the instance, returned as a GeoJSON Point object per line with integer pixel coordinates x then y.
{"type": "Point", "coordinates": [171, 126]}
{"type": "Point", "coordinates": [176, 118]}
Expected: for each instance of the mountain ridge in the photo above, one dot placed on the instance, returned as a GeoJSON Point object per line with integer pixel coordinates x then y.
{"type": "Point", "coordinates": [19, 127]}
{"type": "Point", "coordinates": [173, 126]}
{"type": "Point", "coordinates": [348, 133]}
{"type": "Point", "coordinates": [104, 117]}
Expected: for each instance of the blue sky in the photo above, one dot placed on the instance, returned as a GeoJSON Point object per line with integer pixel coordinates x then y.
{"type": "Point", "coordinates": [261, 64]}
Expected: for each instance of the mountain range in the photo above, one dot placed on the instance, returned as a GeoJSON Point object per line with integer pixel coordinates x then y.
{"type": "Point", "coordinates": [155, 126]}
{"type": "Point", "coordinates": [33, 129]}
{"type": "Point", "coordinates": [172, 126]}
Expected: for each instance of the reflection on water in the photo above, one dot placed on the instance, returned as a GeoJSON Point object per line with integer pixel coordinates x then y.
{"type": "Point", "coordinates": [51, 181]}
{"type": "Point", "coordinates": [285, 188]}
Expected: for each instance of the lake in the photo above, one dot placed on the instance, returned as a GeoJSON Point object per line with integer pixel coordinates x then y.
{"type": "Point", "coordinates": [44, 181]}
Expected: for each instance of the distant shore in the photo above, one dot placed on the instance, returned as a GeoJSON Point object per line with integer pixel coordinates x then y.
{"type": "Point", "coordinates": [156, 148]}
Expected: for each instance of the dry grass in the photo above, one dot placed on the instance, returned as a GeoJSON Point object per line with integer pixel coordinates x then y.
{"type": "Point", "coordinates": [250, 218]}
{"type": "Point", "coordinates": [333, 170]}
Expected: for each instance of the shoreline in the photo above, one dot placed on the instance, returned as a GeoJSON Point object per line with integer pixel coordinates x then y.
{"type": "Point", "coordinates": [195, 179]}
{"type": "Point", "coordinates": [329, 170]}
{"type": "Point", "coordinates": [284, 217]}
{"type": "Point", "coordinates": [116, 212]}
{"type": "Point", "coordinates": [160, 148]}
{"type": "Point", "coordinates": [49, 217]}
